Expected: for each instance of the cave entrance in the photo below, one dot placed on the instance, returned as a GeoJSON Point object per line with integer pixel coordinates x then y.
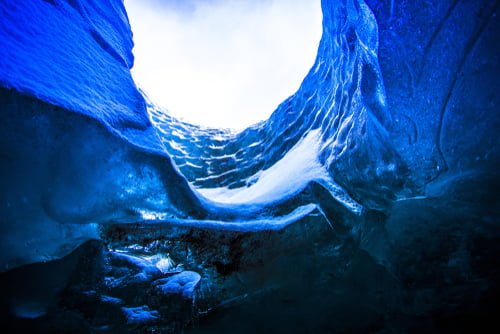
{"type": "Point", "coordinates": [222, 63]}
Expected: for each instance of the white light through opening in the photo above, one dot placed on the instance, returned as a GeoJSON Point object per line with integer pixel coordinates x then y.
{"type": "Point", "coordinates": [223, 63]}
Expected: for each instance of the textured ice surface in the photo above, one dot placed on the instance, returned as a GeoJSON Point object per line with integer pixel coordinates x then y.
{"type": "Point", "coordinates": [111, 300]}
{"type": "Point", "coordinates": [136, 263]}
{"type": "Point", "coordinates": [139, 315]}
{"type": "Point", "coordinates": [285, 178]}
{"type": "Point", "coordinates": [75, 54]}
{"type": "Point", "coordinates": [257, 225]}
{"type": "Point", "coordinates": [183, 283]}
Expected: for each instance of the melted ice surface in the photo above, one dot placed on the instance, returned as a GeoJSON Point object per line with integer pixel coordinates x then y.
{"type": "Point", "coordinates": [284, 179]}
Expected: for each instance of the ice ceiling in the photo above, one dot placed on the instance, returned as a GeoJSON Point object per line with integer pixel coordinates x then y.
{"type": "Point", "coordinates": [223, 63]}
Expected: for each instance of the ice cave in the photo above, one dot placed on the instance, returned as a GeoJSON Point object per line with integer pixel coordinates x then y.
{"type": "Point", "coordinates": [367, 202]}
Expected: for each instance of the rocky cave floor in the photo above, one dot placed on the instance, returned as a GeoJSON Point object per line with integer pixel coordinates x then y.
{"type": "Point", "coordinates": [439, 272]}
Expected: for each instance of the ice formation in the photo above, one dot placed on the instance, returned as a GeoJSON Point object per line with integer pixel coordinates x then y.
{"type": "Point", "coordinates": [122, 173]}
{"type": "Point", "coordinates": [383, 164]}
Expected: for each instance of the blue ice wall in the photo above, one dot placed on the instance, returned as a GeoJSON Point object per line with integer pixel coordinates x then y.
{"type": "Point", "coordinates": [75, 54]}
{"type": "Point", "coordinates": [440, 72]}
{"type": "Point", "coordinates": [400, 103]}
{"type": "Point", "coordinates": [67, 95]}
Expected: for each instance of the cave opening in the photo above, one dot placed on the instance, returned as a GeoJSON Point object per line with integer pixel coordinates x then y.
{"type": "Point", "coordinates": [223, 64]}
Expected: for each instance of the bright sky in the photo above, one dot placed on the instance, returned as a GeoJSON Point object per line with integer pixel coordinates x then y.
{"type": "Point", "coordinates": [223, 63]}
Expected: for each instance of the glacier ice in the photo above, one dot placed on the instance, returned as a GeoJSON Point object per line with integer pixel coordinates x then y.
{"type": "Point", "coordinates": [140, 314]}
{"type": "Point", "coordinates": [183, 283]}
{"type": "Point", "coordinates": [371, 190]}
{"type": "Point", "coordinates": [138, 187]}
